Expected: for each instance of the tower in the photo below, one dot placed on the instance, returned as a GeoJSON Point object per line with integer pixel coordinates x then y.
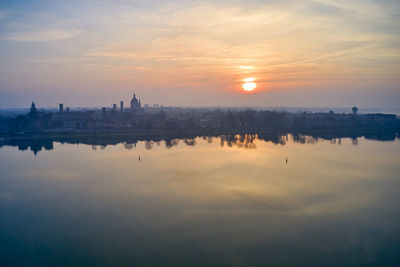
{"type": "Point", "coordinates": [33, 108]}
{"type": "Point", "coordinates": [122, 106]}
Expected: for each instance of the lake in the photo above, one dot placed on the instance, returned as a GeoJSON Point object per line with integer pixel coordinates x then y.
{"type": "Point", "coordinates": [204, 201]}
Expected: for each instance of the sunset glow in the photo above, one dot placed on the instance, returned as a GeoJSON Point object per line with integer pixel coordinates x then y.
{"type": "Point", "coordinates": [193, 53]}
{"type": "Point", "coordinates": [199, 133]}
{"type": "Point", "coordinates": [249, 84]}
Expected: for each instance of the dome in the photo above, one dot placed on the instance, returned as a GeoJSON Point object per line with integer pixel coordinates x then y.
{"type": "Point", "coordinates": [134, 99]}
{"type": "Point", "coordinates": [135, 103]}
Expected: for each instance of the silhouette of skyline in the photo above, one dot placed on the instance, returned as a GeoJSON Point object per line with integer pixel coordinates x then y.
{"type": "Point", "coordinates": [199, 133]}
{"type": "Point", "coordinates": [198, 53]}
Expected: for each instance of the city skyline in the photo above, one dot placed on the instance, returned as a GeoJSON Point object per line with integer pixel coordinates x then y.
{"type": "Point", "coordinates": [199, 133]}
{"type": "Point", "coordinates": [297, 53]}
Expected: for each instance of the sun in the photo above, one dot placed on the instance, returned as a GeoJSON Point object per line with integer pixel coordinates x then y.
{"type": "Point", "coordinates": [249, 84]}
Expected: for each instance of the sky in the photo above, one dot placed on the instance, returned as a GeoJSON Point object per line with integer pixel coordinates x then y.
{"type": "Point", "coordinates": [198, 53]}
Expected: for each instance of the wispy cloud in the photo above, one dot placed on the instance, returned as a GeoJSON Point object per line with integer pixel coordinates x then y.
{"type": "Point", "coordinates": [206, 44]}
{"type": "Point", "coordinates": [42, 36]}
{"type": "Point", "coordinates": [2, 14]}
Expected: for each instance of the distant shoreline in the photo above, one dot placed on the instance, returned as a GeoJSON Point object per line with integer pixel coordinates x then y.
{"type": "Point", "coordinates": [51, 134]}
{"type": "Point", "coordinates": [139, 123]}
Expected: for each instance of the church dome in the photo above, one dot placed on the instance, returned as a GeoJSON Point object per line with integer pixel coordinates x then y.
{"type": "Point", "coordinates": [134, 99]}
{"type": "Point", "coordinates": [135, 103]}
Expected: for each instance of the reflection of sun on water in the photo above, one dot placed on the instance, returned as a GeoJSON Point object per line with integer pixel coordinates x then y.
{"type": "Point", "coordinates": [249, 84]}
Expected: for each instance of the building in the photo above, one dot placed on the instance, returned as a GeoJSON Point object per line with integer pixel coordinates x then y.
{"type": "Point", "coordinates": [121, 106]}
{"type": "Point", "coordinates": [33, 108]}
{"type": "Point", "coordinates": [114, 108]}
{"type": "Point", "coordinates": [135, 104]}
{"type": "Point", "coordinates": [61, 109]}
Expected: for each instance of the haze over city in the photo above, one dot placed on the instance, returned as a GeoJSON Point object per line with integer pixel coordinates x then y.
{"type": "Point", "coordinates": [200, 133]}
{"type": "Point", "coordinates": [200, 53]}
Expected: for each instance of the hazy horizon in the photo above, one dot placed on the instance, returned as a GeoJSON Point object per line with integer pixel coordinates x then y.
{"type": "Point", "coordinates": [272, 137]}
{"type": "Point", "coordinates": [160, 105]}
{"type": "Point", "coordinates": [297, 53]}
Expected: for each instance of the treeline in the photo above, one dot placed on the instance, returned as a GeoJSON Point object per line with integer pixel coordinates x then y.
{"type": "Point", "coordinates": [252, 120]}
{"type": "Point", "coordinates": [196, 120]}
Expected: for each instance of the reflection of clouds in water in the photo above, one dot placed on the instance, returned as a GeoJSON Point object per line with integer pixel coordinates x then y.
{"type": "Point", "coordinates": [52, 173]}
{"type": "Point", "coordinates": [219, 199]}
{"type": "Point", "coordinates": [320, 179]}
{"type": "Point", "coordinates": [215, 175]}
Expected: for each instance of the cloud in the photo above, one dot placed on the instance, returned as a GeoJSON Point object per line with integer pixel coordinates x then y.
{"type": "Point", "coordinates": [203, 44]}
{"type": "Point", "coordinates": [323, 9]}
{"type": "Point", "coordinates": [42, 36]}
{"type": "Point", "coordinates": [2, 14]}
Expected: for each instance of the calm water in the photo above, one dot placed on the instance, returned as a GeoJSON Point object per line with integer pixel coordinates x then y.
{"type": "Point", "coordinates": [202, 202]}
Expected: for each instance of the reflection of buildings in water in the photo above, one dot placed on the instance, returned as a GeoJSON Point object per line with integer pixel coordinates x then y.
{"type": "Point", "coordinates": [245, 141]}
{"type": "Point", "coordinates": [35, 145]}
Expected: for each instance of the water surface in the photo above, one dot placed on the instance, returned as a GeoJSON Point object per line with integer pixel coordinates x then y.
{"type": "Point", "coordinates": [202, 202]}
